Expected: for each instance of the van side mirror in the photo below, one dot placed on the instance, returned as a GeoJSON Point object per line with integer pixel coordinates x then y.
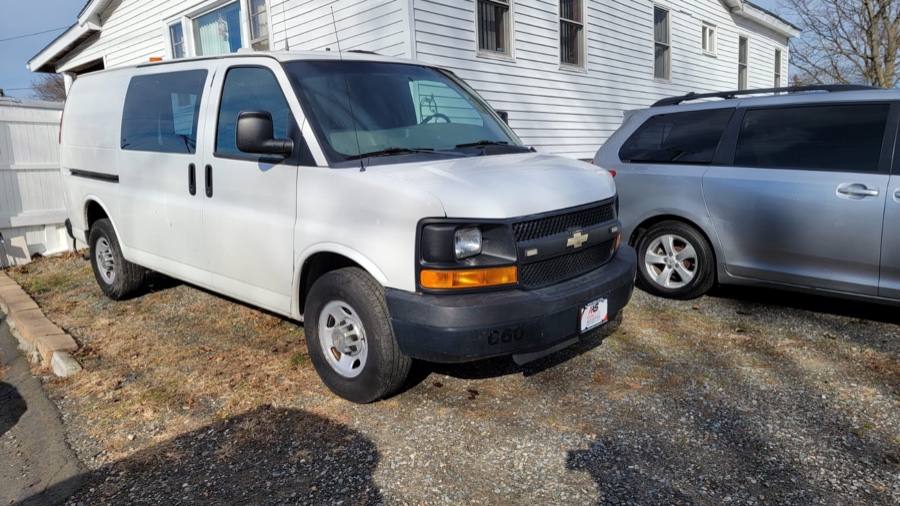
{"type": "Point", "coordinates": [504, 116]}
{"type": "Point", "coordinates": [256, 134]}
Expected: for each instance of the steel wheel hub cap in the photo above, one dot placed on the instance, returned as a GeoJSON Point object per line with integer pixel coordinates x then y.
{"type": "Point", "coordinates": [343, 339]}
{"type": "Point", "coordinates": [106, 262]}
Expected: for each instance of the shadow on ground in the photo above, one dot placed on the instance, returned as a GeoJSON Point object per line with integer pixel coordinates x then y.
{"type": "Point", "coordinates": [808, 302]}
{"type": "Point", "coordinates": [12, 407]}
{"type": "Point", "coordinates": [265, 456]}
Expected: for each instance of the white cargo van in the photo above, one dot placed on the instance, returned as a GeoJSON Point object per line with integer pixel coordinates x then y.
{"type": "Point", "coordinates": [379, 201]}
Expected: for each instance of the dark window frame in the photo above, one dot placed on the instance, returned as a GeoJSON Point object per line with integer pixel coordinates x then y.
{"type": "Point", "coordinates": [490, 37]}
{"type": "Point", "coordinates": [571, 35]}
{"type": "Point", "coordinates": [663, 45]}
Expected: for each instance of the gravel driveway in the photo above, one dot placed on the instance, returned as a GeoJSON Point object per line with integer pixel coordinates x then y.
{"type": "Point", "coordinates": [742, 397]}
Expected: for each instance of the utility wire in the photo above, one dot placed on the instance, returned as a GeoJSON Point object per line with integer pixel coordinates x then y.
{"type": "Point", "coordinates": [35, 33]}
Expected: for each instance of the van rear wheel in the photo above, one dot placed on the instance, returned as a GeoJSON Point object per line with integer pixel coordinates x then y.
{"type": "Point", "coordinates": [350, 339]}
{"type": "Point", "coordinates": [118, 278]}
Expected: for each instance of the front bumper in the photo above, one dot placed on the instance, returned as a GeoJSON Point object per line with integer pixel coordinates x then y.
{"type": "Point", "coordinates": [463, 328]}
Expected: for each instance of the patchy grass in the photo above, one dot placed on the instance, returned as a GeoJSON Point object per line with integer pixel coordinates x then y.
{"type": "Point", "coordinates": [175, 357]}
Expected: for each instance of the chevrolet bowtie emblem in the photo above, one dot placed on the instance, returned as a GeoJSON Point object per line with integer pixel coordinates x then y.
{"type": "Point", "coordinates": [577, 240]}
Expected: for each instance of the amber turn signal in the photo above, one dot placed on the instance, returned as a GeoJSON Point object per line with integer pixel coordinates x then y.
{"type": "Point", "coordinates": [468, 278]}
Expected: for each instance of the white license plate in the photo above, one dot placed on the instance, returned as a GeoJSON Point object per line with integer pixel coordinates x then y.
{"type": "Point", "coordinates": [593, 315]}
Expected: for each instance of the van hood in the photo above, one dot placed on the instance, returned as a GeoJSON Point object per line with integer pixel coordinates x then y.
{"type": "Point", "coordinates": [505, 186]}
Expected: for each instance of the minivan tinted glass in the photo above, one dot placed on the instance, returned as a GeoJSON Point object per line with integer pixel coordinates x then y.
{"type": "Point", "coordinates": [683, 137]}
{"type": "Point", "coordinates": [161, 112]}
{"type": "Point", "coordinates": [844, 138]}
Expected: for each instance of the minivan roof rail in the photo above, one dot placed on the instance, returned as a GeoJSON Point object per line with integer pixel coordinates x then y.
{"type": "Point", "coordinates": [737, 93]}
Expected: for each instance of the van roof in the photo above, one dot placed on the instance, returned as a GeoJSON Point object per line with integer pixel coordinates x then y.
{"type": "Point", "coordinates": [287, 56]}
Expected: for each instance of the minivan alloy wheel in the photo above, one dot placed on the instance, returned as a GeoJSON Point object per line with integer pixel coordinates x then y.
{"type": "Point", "coordinates": [675, 260]}
{"type": "Point", "coordinates": [671, 261]}
{"type": "Point", "coordinates": [343, 338]}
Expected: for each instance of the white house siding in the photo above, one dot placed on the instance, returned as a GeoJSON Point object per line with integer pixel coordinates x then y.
{"type": "Point", "coordinates": [554, 109]}
{"type": "Point", "coordinates": [572, 112]}
{"type": "Point", "coordinates": [372, 25]}
{"type": "Point", "coordinates": [32, 207]}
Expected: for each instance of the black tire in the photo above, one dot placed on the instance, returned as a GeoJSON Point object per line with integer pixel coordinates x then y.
{"type": "Point", "coordinates": [665, 269]}
{"type": "Point", "coordinates": [117, 277]}
{"type": "Point", "coordinates": [346, 309]}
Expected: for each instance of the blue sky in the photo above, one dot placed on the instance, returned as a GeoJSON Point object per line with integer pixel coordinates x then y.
{"type": "Point", "coordinates": [23, 17]}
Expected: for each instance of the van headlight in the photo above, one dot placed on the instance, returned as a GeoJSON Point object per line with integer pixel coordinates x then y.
{"type": "Point", "coordinates": [467, 242]}
{"type": "Point", "coordinates": [460, 254]}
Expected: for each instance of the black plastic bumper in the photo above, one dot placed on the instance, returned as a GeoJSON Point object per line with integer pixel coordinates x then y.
{"type": "Point", "coordinates": [463, 328]}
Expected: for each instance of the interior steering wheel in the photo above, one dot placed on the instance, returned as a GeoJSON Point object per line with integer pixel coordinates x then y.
{"type": "Point", "coordinates": [436, 115]}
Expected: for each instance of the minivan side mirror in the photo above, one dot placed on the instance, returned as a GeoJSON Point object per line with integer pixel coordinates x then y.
{"type": "Point", "coordinates": [256, 134]}
{"type": "Point", "coordinates": [504, 116]}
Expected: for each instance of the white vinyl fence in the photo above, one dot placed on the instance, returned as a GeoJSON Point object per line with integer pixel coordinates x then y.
{"type": "Point", "coordinates": [32, 206]}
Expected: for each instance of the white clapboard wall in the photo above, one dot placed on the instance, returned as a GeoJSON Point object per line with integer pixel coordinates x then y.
{"type": "Point", "coordinates": [32, 207]}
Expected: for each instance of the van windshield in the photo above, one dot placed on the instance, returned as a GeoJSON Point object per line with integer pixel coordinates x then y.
{"type": "Point", "coordinates": [361, 109]}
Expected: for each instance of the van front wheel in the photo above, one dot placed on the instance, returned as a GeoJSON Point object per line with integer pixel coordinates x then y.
{"type": "Point", "coordinates": [350, 339]}
{"type": "Point", "coordinates": [117, 277]}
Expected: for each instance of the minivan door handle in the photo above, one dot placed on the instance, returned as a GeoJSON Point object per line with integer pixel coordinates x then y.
{"type": "Point", "coordinates": [857, 190]}
{"type": "Point", "coordinates": [192, 179]}
{"type": "Point", "coordinates": [209, 180]}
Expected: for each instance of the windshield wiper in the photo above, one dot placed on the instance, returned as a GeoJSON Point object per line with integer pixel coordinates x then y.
{"type": "Point", "coordinates": [482, 143]}
{"type": "Point", "coordinates": [390, 152]}
{"type": "Point", "coordinates": [488, 143]}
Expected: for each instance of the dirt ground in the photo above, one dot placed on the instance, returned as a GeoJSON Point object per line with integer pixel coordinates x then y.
{"type": "Point", "coordinates": [742, 397]}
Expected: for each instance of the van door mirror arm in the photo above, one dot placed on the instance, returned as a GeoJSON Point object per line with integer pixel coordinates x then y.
{"type": "Point", "coordinates": [255, 133]}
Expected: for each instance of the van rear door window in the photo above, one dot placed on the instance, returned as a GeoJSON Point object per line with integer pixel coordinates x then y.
{"type": "Point", "coordinates": [161, 112]}
{"type": "Point", "coordinates": [684, 137]}
{"type": "Point", "coordinates": [844, 138]}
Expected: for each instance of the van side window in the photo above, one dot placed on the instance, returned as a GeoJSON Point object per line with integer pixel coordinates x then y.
{"type": "Point", "coordinates": [161, 112]}
{"type": "Point", "coordinates": [844, 138]}
{"type": "Point", "coordinates": [684, 137]}
{"type": "Point", "coordinates": [249, 89]}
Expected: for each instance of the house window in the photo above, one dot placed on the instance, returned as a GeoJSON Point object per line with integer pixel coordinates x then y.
{"type": "Point", "coordinates": [662, 48]}
{"type": "Point", "coordinates": [176, 37]}
{"type": "Point", "coordinates": [742, 62]}
{"type": "Point", "coordinates": [777, 68]}
{"type": "Point", "coordinates": [709, 38]}
{"type": "Point", "coordinates": [571, 32]}
{"type": "Point", "coordinates": [259, 25]}
{"type": "Point", "coordinates": [219, 31]}
{"type": "Point", "coordinates": [493, 26]}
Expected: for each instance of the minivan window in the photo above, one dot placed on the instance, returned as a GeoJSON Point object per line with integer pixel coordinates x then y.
{"type": "Point", "coordinates": [685, 137]}
{"type": "Point", "coordinates": [845, 138]}
{"type": "Point", "coordinates": [249, 89]}
{"type": "Point", "coordinates": [161, 112]}
{"type": "Point", "coordinates": [359, 108]}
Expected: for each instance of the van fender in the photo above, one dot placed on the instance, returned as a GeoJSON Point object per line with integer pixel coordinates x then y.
{"type": "Point", "coordinates": [335, 248]}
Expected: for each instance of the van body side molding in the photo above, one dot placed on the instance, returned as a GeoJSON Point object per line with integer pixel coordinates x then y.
{"type": "Point", "coordinates": [109, 178]}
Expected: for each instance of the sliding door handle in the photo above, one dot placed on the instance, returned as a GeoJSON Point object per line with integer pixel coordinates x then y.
{"type": "Point", "coordinates": [192, 179]}
{"type": "Point", "coordinates": [209, 180]}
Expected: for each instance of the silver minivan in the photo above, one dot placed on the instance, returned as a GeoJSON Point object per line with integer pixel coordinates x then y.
{"type": "Point", "coordinates": [794, 188]}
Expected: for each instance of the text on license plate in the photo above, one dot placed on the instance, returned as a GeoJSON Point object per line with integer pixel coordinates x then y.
{"type": "Point", "coordinates": [593, 314]}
